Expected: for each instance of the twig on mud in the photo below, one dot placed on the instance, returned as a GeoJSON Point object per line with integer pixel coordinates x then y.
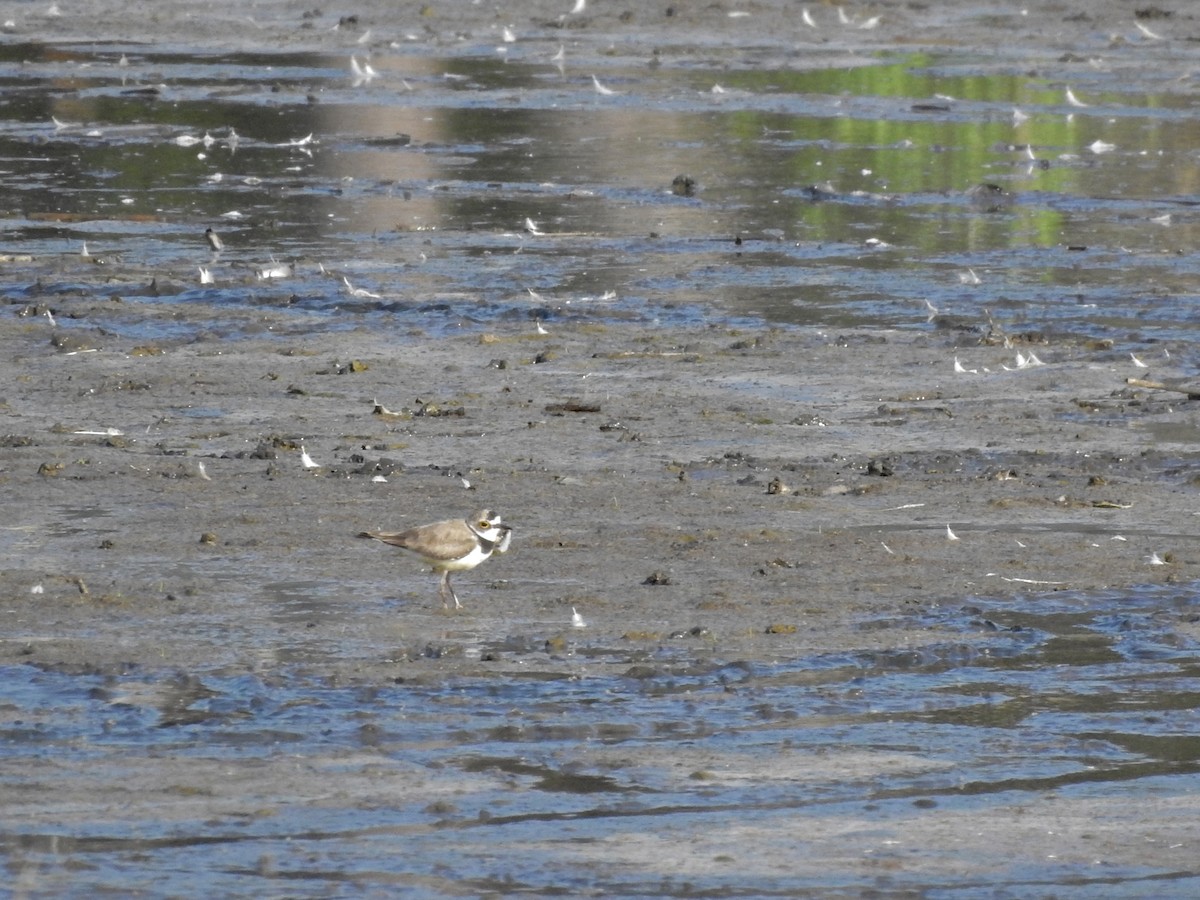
{"type": "Point", "coordinates": [1179, 387]}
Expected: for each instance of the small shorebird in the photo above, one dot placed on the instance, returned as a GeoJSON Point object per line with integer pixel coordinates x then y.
{"type": "Point", "coordinates": [454, 545]}
{"type": "Point", "coordinates": [214, 240]}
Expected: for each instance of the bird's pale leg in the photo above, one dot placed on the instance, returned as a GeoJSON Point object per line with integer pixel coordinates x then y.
{"type": "Point", "coordinates": [445, 589]}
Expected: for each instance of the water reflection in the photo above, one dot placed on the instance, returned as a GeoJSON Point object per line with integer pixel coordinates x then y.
{"type": "Point", "coordinates": [609, 744]}
{"type": "Point", "coordinates": [850, 188]}
{"type": "Point", "coordinates": [836, 197]}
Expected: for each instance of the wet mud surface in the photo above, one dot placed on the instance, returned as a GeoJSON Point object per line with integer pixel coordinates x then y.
{"type": "Point", "coordinates": [853, 502]}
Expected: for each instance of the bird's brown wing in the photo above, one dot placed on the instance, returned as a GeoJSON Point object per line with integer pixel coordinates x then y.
{"type": "Point", "coordinates": [452, 537]}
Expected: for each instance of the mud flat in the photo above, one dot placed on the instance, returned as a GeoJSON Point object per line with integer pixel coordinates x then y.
{"type": "Point", "coordinates": [807, 479]}
{"type": "Point", "coordinates": [760, 516]}
{"type": "Point", "coordinates": [904, 610]}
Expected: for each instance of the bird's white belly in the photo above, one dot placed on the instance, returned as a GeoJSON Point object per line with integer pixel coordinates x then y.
{"type": "Point", "coordinates": [470, 561]}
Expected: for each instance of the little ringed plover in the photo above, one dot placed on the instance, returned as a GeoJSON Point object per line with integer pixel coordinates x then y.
{"type": "Point", "coordinates": [453, 545]}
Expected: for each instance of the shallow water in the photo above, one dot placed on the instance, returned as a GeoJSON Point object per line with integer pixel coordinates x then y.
{"type": "Point", "coordinates": [415, 787]}
{"type": "Point", "coordinates": [837, 195]}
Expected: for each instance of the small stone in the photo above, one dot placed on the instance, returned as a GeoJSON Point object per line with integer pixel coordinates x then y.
{"type": "Point", "coordinates": [70, 343]}
{"type": "Point", "coordinates": [881, 467]}
{"type": "Point", "coordinates": [683, 185]}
